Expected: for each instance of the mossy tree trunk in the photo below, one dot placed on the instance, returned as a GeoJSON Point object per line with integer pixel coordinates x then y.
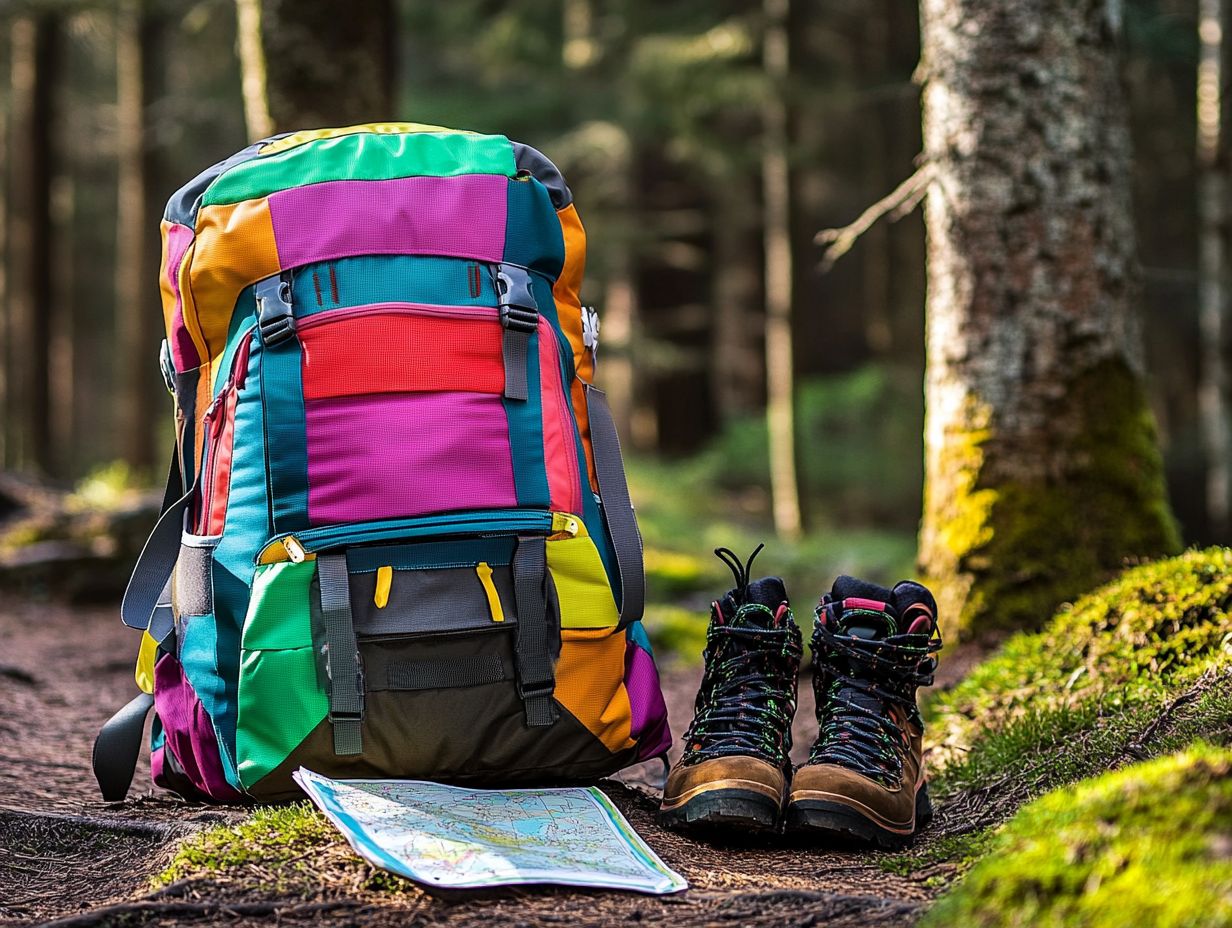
{"type": "Point", "coordinates": [1043, 471]}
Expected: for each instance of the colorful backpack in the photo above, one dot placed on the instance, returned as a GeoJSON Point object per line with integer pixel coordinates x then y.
{"type": "Point", "coordinates": [402, 543]}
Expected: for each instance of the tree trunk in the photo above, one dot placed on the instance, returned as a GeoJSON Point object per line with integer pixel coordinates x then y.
{"type": "Point", "coordinates": [735, 372]}
{"type": "Point", "coordinates": [7, 354]}
{"type": "Point", "coordinates": [252, 68]}
{"type": "Point", "coordinates": [138, 315]}
{"type": "Point", "coordinates": [1043, 471]}
{"type": "Point", "coordinates": [324, 64]}
{"type": "Point", "coordinates": [35, 63]}
{"type": "Point", "coordinates": [776, 190]}
{"type": "Point", "coordinates": [1212, 160]}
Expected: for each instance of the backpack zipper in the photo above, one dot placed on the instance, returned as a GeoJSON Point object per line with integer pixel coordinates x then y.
{"type": "Point", "coordinates": [299, 546]}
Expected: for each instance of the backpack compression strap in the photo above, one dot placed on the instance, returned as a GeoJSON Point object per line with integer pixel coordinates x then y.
{"type": "Point", "coordinates": [618, 514]}
{"type": "Point", "coordinates": [146, 606]}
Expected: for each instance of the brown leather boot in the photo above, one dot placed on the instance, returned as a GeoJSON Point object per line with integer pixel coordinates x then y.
{"type": "Point", "coordinates": [865, 778]}
{"type": "Point", "coordinates": [735, 767]}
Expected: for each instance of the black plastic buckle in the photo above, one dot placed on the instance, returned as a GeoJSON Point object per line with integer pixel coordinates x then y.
{"type": "Point", "coordinates": [275, 314]}
{"type": "Point", "coordinates": [518, 309]}
{"type": "Point", "coordinates": [519, 319]}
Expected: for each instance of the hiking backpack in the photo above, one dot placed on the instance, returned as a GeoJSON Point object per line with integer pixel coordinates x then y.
{"type": "Point", "coordinates": [397, 539]}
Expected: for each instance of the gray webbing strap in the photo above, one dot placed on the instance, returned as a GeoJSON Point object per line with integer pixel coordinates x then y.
{"type": "Point", "coordinates": [346, 682]}
{"type": "Point", "coordinates": [441, 674]}
{"type": "Point", "coordinates": [618, 514]}
{"type": "Point", "coordinates": [117, 747]}
{"type": "Point", "coordinates": [533, 650]}
{"type": "Point", "coordinates": [519, 317]}
{"type": "Point", "coordinates": [158, 557]}
{"type": "Point", "coordinates": [515, 351]}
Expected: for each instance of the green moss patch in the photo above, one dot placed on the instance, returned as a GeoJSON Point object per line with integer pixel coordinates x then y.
{"type": "Point", "coordinates": [1150, 844]}
{"type": "Point", "coordinates": [1130, 645]}
{"type": "Point", "coordinates": [289, 850]}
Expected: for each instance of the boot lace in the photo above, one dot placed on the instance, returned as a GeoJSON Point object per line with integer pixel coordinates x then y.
{"type": "Point", "coordinates": [748, 693]}
{"type": "Point", "coordinates": [856, 683]}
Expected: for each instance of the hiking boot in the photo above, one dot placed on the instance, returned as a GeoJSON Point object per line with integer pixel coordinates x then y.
{"type": "Point", "coordinates": [735, 766]}
{"type": "Point", "coordinates": [864, 778]}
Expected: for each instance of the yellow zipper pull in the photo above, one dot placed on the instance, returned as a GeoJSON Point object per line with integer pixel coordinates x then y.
{"type": "Point", "coordinates": [295, 550]}
{"type": "Point", "coordinates": [384, 578]}
{"type": "Point", "coordinates": [565, 524]}
{"type": "Point", "coordinates": [484, 572]}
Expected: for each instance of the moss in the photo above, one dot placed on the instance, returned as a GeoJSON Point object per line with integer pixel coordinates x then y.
{"type": "Point", "coordinates": [1005, 551]}
{"type": "Point", "coordinates": [1137, 639]}
{"type": "Point", "coordinates": [958, 851]}
{"type": "Point", "coordinates": [1146, 845]}
{"type": "Point", "coordinates": [284, 849]}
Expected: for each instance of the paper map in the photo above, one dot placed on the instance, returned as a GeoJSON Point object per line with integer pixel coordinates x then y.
{"type": "Point", "coordinates": [461, 838]}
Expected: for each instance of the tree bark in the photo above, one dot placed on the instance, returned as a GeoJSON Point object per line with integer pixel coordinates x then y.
{"type": "Point", "coordinates": [138, 316]}
{"type": "Point", "coordinates": [1212, 158]}
{"type": "Point", "coordinates": [736, 371]}
{"type": "Point", "coordinates": [1043, 471]}
{"type": "Point", "coordinates": [325, 64]}
{"type": "Point", "coordinates": [780, 358]}
{"type": "Point", "coordinates": [7, 359]}
{"type": "Point", "coordinates": [35, 64]}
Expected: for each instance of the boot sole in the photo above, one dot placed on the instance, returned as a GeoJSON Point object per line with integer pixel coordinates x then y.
{"type": "Point", "coordinates": [723, 808]}
{"type": "Point", "coordinates": [838, 820]}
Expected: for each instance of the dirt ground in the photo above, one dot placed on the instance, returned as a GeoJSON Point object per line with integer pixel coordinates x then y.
{"type": "Point", "coordinates": [65, 855]}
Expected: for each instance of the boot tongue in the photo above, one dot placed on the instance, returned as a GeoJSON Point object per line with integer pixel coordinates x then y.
{"type": "Point", "coordinates": [768, 592]}
{"type": "Point", "coordinates": [864, 610]}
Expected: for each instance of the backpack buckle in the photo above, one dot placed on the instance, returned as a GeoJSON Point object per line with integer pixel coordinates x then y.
{"type": "Point", "coordinates": [275, 314]}
{"type": "Point", "coordinates": [518, 309]}
{"type": "Point", "coordinates": [519, 319]}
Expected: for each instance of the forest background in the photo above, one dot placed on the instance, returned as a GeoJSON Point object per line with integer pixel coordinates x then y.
{"type": "Point", "coordinates": [659, 115]}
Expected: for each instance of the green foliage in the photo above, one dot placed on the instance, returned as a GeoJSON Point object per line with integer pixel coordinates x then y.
{"type": "Point", "coordinates": [684, 514]}
{"type": "Point", "coordinates": [860, 450]}
{"type": "Point", "coordinates": [1146, 845]}
{"type": "Point", "coordinates": [107, 487]}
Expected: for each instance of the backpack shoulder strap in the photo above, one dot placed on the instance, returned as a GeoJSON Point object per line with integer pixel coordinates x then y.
{"type": "Point", "coordinates": [618, 514]}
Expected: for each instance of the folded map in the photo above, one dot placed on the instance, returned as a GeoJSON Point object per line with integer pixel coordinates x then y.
{"type": "Point", "coordinates": [462, 838]}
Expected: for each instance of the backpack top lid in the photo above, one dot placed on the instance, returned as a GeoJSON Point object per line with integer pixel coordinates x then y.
{"type": "Point", "coordinates": [384, 188]}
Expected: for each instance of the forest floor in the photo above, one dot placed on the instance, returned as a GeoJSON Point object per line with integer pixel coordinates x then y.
{"type": "Point", "coordinates": [64, 854]}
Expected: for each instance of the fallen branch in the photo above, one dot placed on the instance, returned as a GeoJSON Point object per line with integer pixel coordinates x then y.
{"type": "Point", "coordinates": [898, 203]}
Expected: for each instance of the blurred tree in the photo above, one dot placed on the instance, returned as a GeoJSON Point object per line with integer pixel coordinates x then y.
{"type": "Point", "coordinates": [776, 199]}
{"type": "Point", "coordinates": [139, 43]}
{"type": "Point", "coordinates": [1212, 158]}
{"type": "Point", "coordinates": [1042, 467]}
{"type": "Point", "coordinates": [320, 64]}
{"type": "Point", "coordinates": [252, 65]}
{"type": "Point", "coordinates": [35, 61]}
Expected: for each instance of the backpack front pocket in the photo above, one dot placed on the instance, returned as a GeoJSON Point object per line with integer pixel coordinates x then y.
{"type": "Point", "coordinates": [433, 665]}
